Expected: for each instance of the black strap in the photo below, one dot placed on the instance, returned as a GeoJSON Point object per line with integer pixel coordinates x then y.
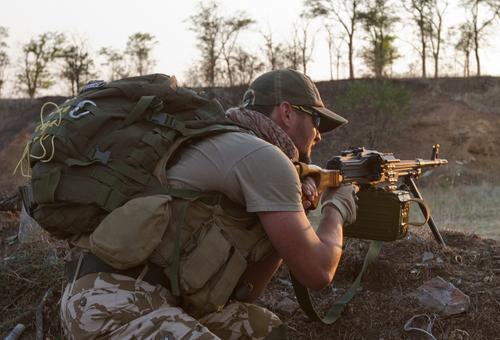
{"type": "Point", "coordinates": [333, 313]}
{"type": "Point", "coordinates": [92, 264]}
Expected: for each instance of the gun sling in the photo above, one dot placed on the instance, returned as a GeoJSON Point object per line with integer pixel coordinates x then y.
{"type": "Point", "coordinates": [333, 313]}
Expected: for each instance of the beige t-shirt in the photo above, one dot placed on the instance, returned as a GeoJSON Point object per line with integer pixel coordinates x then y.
{"type": "Point", "coordinates": [247, 169]}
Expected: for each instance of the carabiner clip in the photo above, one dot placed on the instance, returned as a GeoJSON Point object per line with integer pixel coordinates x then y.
{"type": "Point", "coordinates": [73, 113]}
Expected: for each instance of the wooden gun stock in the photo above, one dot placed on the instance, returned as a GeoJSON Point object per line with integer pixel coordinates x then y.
{"type": "Point", "coordinates": [324, 178]}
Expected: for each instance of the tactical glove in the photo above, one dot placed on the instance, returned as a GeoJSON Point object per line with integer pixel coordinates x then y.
{"type": "Point", "coordinates": [344, 199]}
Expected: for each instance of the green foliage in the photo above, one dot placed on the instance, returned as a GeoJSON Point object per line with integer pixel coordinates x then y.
{"type": "Point", "coordinates": [38, 54]}
{"type": "Point", "coordinates": [139, 48]}
{"type": "Point", "coordinates": [77, 65]}
{"type": "Point", "coordinates": [379, 96]}
{"type": "Point", "coordinates": [378, 21]}
{"type": "Point", "coordinates": [116, 62]}
{"type": "Point", "coordinates": [375, 110]}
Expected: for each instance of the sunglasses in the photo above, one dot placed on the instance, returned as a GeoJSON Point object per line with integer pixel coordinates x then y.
{"type": "Point", "coordinates": [316, 117]}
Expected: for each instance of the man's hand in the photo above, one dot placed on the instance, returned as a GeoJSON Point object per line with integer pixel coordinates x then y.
{"type": "Point", "coordinates": [344, 199]}
{"type": "Point", "coordinates": [309, 192]}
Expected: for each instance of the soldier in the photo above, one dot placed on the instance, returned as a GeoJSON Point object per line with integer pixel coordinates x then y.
{"type": "Point", "coordinates": [219, 251]}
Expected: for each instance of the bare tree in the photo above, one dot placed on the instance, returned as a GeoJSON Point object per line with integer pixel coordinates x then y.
{"type": "Point", "coordinates": [306, 43]}
{"type": "Point", "coordinates": [291, 51]}
{"type": "Point", "coordinates": [273, 51]}
{"type": "Point", "coordinates": [139, 48]}
{"type": "Point", "coordinates": [77, 65]}
{"type": "Point", "coordinates": [4, 58]}
{"type": "Point", "coordinates": [246, 66]}
{"type": "Point", "coordinates": [482, 15]}
{"type": "Point", "coordinates": [334, 52]}
{"type": "Point", "coordinates": [330, 41]}
{"type": "Point", "coordinates": [420, 12]}
{"type": "Point", "coordinates": [229, 37]}
{"type": "Point", "coordinates": [38, 53]}
{"type": "Point", "coordinates": [217, 36]}
{"type": "Point", "coordinates": [378, 21]}
{"type": "Point", "coordinates": [344, 12]}
{"type": "Point", "coordinates": [116, 62]}
{"type": "Point", "coordinates": [437, 10]}
{"type": "Point", "coordinates": [207, 24]}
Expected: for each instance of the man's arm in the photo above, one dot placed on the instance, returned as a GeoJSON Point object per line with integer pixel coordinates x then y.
{"type": "Point", "coordinates": [311, 256]}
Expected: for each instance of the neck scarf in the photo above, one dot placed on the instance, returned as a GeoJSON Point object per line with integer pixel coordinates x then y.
{"type": "Point", "coordinates": [264, 128]}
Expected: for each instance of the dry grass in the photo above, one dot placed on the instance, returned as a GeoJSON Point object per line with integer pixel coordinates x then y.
{"type": "Point", "coordinates": [386, 300]}
{"type": "Point", "coordinates": [27, 271]}
{"type": "Point", "coordinates": [467, 208]}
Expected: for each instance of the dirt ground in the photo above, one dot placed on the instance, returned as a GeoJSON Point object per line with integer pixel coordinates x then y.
{"type": "Point", "coordinates": [379, 310]}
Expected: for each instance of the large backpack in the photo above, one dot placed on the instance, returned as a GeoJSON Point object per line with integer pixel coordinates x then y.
{"type": "Point", "coordinates": [99, 149]}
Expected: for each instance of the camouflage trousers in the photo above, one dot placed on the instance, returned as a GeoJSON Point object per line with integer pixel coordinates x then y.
{"type": "Point", "coordinates": [110, 306]}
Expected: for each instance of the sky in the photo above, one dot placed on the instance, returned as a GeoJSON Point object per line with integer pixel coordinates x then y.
{"type": "Point", "coordinates": [110, 22]}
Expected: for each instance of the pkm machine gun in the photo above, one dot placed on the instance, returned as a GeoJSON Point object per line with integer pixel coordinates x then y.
{"type": "Point", "coordinates": [387, 188]}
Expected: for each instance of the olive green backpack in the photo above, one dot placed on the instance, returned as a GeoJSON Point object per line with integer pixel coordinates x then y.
{"type": "Point", "coordinates": [99, 149]}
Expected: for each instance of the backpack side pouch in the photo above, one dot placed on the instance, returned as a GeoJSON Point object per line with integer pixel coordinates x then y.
{"type": "Point", "coordinates": [129, 234]}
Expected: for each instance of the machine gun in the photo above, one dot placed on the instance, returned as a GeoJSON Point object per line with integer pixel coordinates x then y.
{"type": "Point", "coordinates": [387, 187]}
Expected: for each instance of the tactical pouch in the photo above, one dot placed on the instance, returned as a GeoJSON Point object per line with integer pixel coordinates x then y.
{"type": "Point", "coordinates": [382, 215]}
{"type": "Point", "coordinates": [210, 271]}
{"type": "Point", "coordinates": [128, 235]}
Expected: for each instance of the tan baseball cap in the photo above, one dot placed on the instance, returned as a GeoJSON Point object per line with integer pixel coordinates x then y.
{"type": "Point", "coordinates": [278, 86]}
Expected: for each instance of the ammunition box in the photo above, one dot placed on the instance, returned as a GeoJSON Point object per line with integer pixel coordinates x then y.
{"type": "Point", "coordinates": [382, 215]}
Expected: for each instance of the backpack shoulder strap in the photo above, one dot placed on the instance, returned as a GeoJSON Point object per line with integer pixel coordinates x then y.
{"type": "Point", "coordinates": [210, 130]}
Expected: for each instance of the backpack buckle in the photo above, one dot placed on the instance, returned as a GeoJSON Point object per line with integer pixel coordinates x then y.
{"type": "Point", "coordinates": [74, 113]}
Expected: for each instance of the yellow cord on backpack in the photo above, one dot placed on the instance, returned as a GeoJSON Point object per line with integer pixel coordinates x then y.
{"type": "Point", "coordinates": [26, 155]}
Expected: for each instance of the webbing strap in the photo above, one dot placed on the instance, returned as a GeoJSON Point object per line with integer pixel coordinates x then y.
{"type": "Point", "coordinates": [188, 196]}
{"type": "Point", "coordinates": [123, 168]}
{"type": "Point", "coordinates": [425, 209]}
{"type": "Point", "coordinates": [86, 190]}
{"type": "Point", "coordinates": [138, 110]}
{"type": "Point", "coordinates": [333, 313]}
{"type": "Point", "coordinates": [211, 128]}
{"type": "Point", "coordinates": [44, 187]}
{"type": "Point", "coordinates": [176, 254]}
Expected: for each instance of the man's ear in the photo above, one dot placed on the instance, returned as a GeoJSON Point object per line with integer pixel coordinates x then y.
{"type": "Point", "coordinates": [285, 115]}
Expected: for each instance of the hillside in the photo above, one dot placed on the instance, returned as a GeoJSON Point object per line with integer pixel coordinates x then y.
{"type": "Point", "coordinates": [462, 115]}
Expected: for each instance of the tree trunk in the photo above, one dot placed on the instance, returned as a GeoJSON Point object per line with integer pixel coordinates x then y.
{"type": "Point", "coordinates": [478, 63]}
{"type": "Point", "coordinates": [436, 65]}
{"type": "Point", "coordinates": [466, 65]}
{"type": "Point", "coordinates": [424, 50]}
{"type": "Point", "coordinates": [351, 66]}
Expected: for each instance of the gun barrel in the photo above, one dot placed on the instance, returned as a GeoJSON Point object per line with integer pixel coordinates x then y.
{"type": "Point", "coordinates": [419, 164]}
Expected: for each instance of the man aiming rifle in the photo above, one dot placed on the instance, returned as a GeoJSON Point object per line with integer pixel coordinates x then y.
{"type": "Point", "coordinates": [236, 213]}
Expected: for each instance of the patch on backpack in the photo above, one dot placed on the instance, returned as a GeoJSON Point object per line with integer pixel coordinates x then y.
{"type": "Point", "coordinates": [93, 84]}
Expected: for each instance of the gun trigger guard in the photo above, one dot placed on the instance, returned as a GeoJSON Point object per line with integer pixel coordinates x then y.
{"type": "Point", "coordinates": [427, 213]}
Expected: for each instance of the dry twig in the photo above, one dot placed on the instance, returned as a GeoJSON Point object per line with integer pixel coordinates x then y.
{"type": "Point", "coordinates": [39, 314]}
